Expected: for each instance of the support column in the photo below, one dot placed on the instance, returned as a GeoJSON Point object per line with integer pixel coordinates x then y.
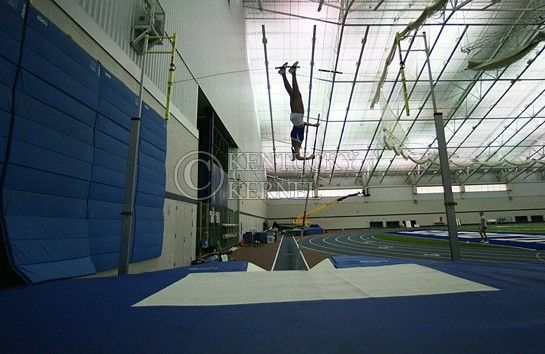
{"type": "Point", "coordinates": [447, 187]}
{"type": "Point", "coordinates": [444, 165]}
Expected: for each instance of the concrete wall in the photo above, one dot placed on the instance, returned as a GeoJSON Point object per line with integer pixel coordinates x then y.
{"type": "Point", "coordinates": [212, 42]}
{"type": "Point", "coordinates": [253, 214]}
{"type": "Point", "coordinates": [398, 203]}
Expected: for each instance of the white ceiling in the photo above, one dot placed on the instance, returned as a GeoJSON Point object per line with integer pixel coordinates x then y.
{"type": "Point", "coordinates": [493, 119]}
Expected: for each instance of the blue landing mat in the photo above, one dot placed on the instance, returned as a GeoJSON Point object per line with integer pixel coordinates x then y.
{"type": "Point", "coordinates": [95, 315]}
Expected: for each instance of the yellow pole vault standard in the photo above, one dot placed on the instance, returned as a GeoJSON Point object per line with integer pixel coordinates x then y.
{"type": "Point", "coordinates": [171, 68]}
{"type": "Point", "coordinates": [402, 72]}
{"type": "Point", "coordinates": [298, 221]}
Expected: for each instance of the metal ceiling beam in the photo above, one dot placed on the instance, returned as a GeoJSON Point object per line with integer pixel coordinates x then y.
{"type": "Point", "coordinates": [520, 141]}
{"type": "Point", "coordinates": [513, 120]}
{"type": "Point", "coordinates": [498, 100]}
{"type": "Point", "coordinates": [420, 9]}
{"type": "Point", "coordinates": [464, 96]}
{"type": "Point", "coordinates": [381, 117]}
{"type": "Point", "coordinates": [492, 107]}
{"type": "Point", "coordinates": [431, 119]}
{"type": "Point", "coordinates": [418, 77]}
{"type": "Point", "coordinates": [378, 5]}
{"type": "Point", "coordinates": [429, 93]}
{"type": "Point", "coordinates": [363, 42]}
{"type": "Point", "coordinates": [457, 105]}
{"type": "Point", "coordinates": [472, 147]}
{"type": "Point", "coordinates": [320, 5]}
{"type": "Point", "coordinates": [414, 80]}
{"type": "Point", "coordinates": [333, 85]}
{"type": "Point", "coordinates": [509, 180]}
{"type": "Point", "coordinates": [382, 23]}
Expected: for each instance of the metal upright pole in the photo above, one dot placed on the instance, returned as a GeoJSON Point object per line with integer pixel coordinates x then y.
{"type": "Point", "coordinates": [264, 40]}
{"type": "Point", "coordinates": [444, 165]}
{"type": "Point", "coordinates": [130, 179]}
{"type": "Point", "coordinates": [309, 94]}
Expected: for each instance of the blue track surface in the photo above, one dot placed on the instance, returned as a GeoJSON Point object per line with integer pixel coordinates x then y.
{"type": "Point", "coordinates": [512, 239]}
{"type": "Point", "coordinates": [95, 315]}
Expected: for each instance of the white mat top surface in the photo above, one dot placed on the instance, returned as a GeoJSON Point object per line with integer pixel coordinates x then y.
{"type": "Point", "coordinates": [237, 288]}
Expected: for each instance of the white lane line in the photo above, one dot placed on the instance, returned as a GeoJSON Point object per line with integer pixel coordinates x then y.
{"type": "Point", "coordinates": [324, 248]}
{"type": "Point", "coordinates": [277, 251]}
{"type": "Point", "coordinates": [301, 253]}
{"type": "Point", "coordinates": [538, 255]}
{"type": "Point", "coordinates": [381, 246]}
{"type": "Point", "coordinates": [508, 249]}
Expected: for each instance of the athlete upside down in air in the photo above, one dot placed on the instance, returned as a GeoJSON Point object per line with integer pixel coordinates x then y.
{"type": "Point", "coordinates": [297, 113]}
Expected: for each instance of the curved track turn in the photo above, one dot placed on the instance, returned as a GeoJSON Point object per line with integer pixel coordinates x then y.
{"type": "Point", "coordinates": [364, 242]}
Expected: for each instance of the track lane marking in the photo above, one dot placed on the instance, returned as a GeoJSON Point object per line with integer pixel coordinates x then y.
{"type": "Point", "coordinates": [355, 248]}
{"type": "Point", "coordinates": [277, 251]}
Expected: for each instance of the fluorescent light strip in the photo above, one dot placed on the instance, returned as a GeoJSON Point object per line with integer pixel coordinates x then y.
{"type": "Point", "coordinates": [467, 188]}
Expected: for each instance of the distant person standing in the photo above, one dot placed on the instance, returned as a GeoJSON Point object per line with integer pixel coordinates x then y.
{"type": "Point", "coordinates": [482, 230]}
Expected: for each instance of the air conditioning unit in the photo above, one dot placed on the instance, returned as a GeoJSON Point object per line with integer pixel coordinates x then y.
{"type": "Point", "coordinates": [150, 21]}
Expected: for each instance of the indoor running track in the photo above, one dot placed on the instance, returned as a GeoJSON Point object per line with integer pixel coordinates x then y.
{"type": "Point", "coordinates": [364, 242]}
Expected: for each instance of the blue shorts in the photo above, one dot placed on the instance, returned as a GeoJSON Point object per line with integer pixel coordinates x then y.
{"type": "Point", "coordinates": [298, 133]}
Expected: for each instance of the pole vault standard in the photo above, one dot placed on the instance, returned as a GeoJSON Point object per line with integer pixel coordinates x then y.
{"type": "Point", "coordinates": [310, 94]}
{"type": "Point", "coordinates": [269, 90]}
{"type": "Point", "coordinates": [443, 162]}
{"type": "Point", "coordinates": [132, 171]}
{"type": "Point", "coordinates": [134, 146]}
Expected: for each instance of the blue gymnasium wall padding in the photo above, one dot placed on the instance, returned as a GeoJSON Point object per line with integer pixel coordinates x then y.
{"type": "Point", "coordinates": [64, 182]}
{"type": "Point", "coordinates": [12, 27]}
{"type": "Point", "coordinates": [150, 190]}
{"type": "Point", "coordinates": [10, 36]}
{"type": "Point", "coordinates": [49, 168]}
{"type": "Point", "coordinates": [115, 107]}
